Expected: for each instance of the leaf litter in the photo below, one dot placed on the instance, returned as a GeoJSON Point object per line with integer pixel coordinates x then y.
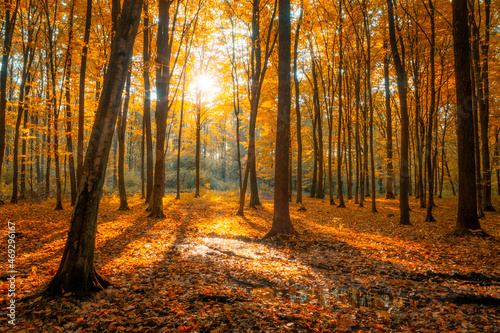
{"type": "Point", "coordinates": [203, 269]}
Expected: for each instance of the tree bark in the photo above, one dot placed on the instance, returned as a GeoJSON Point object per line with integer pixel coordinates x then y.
{"type": "Point", "coordinates": [10, 22]}
{"type": "Point", "coordinates": [404, 178]}
{"type": "Point", "coordinates": [467, 219]}
{"type": "Point", "coordinates": [432, 108]}
{"type": "Point", "coordinates": [147, 104]}
{"type": "Point", "coordinates": [76, 272]}
{"type": "Point", "coordinates": [388, 115]}
{"type": "Point", "coordinates": [281, 218]}
{"type": "Point", "coordinates": [81, 94]}
{"type": "Point", "coordinates": [122, 130]}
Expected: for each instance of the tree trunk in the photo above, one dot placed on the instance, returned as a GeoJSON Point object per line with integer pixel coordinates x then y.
{"type": "Point", "coordinates": [404, 178]}
{"type": "Point", "coordinates": [147, 105]}
{"type": "Point", "coordinates": [281, 218]}
{"type": "Point", "coordinates": [198, 143]}
{"type": "Point", "coordinates": [340, 194]}
{"type": "Point", "coordinates": [428, 144]}
{"type": "Point", "coordinates": [484, 113]}
{"type": "Point", "coordinates": [10, 22]}
{"type": "Point", "coordinates": [388, 113]}
{"type": "Point", "coordinates": [467, 220]}
{"type": "Point", "coordinates": [69, 135]}
{"type": "Point", "coordinates": [370, 105]}
{"type": "Point", "coordinates": [297, 107]}
{"type": "Point", "coordinates": [76, 272]}
{"type": "Point", "coordinates": [122, 130]}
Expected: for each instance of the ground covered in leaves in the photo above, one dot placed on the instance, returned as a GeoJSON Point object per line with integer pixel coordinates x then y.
{"type": "Point", "coordinates": [203, 269]}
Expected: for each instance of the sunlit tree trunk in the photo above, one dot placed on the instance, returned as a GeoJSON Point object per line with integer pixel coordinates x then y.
{"type": "Point", "coordinates": [147, 104]}
{"type": "Point", "coordinates": [76, 271]}
{"type": "Point", "coordinates": [67, 94]}
{"type": "Point", "coordinates": [81, 92]}
{"type": "Point", "coordinates": [9, 23]}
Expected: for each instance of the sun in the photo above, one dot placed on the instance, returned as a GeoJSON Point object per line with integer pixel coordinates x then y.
{"type": "Point", "coordinates": [205, 83]}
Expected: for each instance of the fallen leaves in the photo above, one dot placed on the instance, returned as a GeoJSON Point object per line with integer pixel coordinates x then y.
{"type": "Point", "coordinates": [203, 269]}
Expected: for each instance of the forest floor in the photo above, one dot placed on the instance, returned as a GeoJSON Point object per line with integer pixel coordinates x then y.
{"type": "Point", "coordinates": [203, 269]}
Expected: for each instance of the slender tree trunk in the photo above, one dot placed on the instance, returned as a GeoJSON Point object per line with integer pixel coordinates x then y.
{"type": "Point", "coordinates": [340, 194]}
{"type": "Point", "coordinates": [147, 105]}
{"type": "Point", "coordinates": [67, 91]}
{"type": "Point", "coordinates": [81, 94]}
{"type": "Point", "coordinates": [370, 105]}
{"type": "Point", "coordinates": [198, 143]}
{"type": "Point", "coordinates": [402, 86]}
{"type": "Point", "coordinates": [388, 113]}
{"type": "Point", "coordinates": [484, 113]}
{"type": "Point", "coordinates": [297, 107]}
{"type": "Point", "coordinates": [10, 22]}
{"type": "Point", "coordinates": [122, 130]}
{"type": "Point", "coordinates": [179, 143]}
{"type": "Point", "coordinates": [428, 144]}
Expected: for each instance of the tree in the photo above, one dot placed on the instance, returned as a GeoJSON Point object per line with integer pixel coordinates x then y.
{"type": "Point", "coordinates": [147, 104]}
{"type": "Point", "coordinates": [10, 22]}
{"type": "Point", "coordinates": [467, 219]}
{"type": "Point", "coordinates": [121, 132]}
{"type": "Point", "coordinates": [81, 92]}
{"type": "Point", "coordinates": [297, 106]}
{"type": "Point", "coordinates": [281, 217]}
{"type": "Point", "coordinates": [404, 177]}
{"type": "Point", "coordinates": [390, 176]}
{"type": "Point", "coordinates": [76, 271]}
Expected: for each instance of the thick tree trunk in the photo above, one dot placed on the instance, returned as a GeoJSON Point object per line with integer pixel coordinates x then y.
{"type": "Point", "coordinates": [467, 220]}
{"type": "Point", "coordinates": [76, 272]}
{"type": "Point", "coordinates": [281, 217]}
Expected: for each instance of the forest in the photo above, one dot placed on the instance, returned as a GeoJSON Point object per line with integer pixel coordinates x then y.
{"type": "Point", "coordinates": [250, 165]}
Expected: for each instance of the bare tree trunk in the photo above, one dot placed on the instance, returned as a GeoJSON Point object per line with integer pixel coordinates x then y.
{"type": "Point", "coordinates": [428, 144]}
{"type": "Point", "coordinates": [69, 135]}
{"type": "Point", "coordinates": [10, 22]}
{"type": "Point", "coordinates": [122, 130]}
{"type": "Point", "coordinates": [281, 217]}
{"type": "Point", "coordinates": [81, 94]}
{"type": "Point", "coordinates": [388, 112]}
{"type": "Point", "coordinates": [484, 113]}
{"type": "Point", "coordinates": [402, 86]}
{"type": "Point", "coordinates": [147, 104]}
{"type": "Point", "coordinates": [340, 194]}
{"type": "Point", "coordinates": [467, 219]}
{"type": "Point", "coordinates": [77, 272]}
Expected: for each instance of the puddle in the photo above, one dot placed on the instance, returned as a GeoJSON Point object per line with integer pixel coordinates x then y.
{"type": "Point", "coordinates": [327, 298]}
